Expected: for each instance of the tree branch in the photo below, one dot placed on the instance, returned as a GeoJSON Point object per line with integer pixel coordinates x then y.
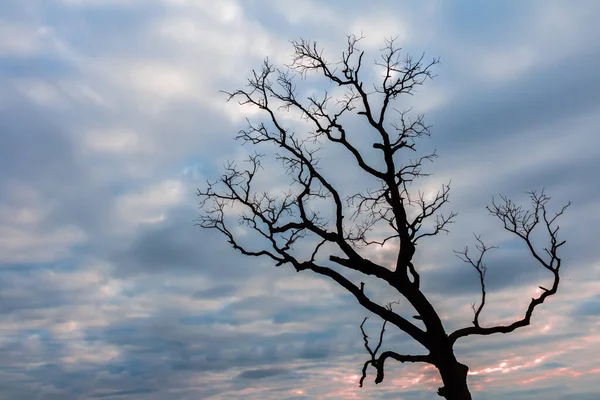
{"type": "Point", "coordinates": [385, 313]}
{"type": "Point", "coordinates": [522, 222]}
{"type": "Point", "coordinates": [379, 362]}
{"type": "Point", "coordinates": [481, 269]}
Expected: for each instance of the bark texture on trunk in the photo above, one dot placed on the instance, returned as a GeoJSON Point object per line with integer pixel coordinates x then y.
{"type": "Point", "coordinates": [454, 377]}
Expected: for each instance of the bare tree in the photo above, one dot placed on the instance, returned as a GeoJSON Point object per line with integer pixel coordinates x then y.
{"type": "Point", "coordinates": [295, 231]}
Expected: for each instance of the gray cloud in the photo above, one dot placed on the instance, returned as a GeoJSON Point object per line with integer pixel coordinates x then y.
{"type": "Point", "coordinates": [110, 118]}
{"type": "Point", "coordinates": [589, 308]}
{"type": "Point", "coordinates": [260, 373]}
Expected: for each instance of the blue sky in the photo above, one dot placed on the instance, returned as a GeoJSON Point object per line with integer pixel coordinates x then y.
{"type": "Point", "coordinates": [111, 118]}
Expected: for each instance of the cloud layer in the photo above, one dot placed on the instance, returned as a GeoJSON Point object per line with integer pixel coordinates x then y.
{"type": "Point", "coordinates": [111, 117]}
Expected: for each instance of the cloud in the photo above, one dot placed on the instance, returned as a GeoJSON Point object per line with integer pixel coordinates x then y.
{"type": "Point", "coordinates": [111, 117]}
{"type": "Point", "coordinates": [26, 235]}
{"type": "Point", "coordinates": [260, 373]}
{"type": "Point", "coordinates": [589, 308]}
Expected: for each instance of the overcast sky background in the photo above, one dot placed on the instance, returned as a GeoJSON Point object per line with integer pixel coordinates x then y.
{"type": "Point", "coordinates": [110, 119]}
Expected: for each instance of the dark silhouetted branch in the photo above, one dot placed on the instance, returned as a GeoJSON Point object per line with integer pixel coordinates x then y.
{"type": "Point", "coordinates": [481, 269]}
{"type": "Point", "coordinates": [379, 362]}
{"type": "Point", "coordinates": [522, 222]}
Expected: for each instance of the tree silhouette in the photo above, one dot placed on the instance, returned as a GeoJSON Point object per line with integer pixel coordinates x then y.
{"type": "Point", "coordinates": [294, 227]}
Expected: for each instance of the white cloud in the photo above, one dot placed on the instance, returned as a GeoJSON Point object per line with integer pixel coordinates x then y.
{"type": "Point", "coordinates": [161, 80]}
{"type": "Point", "coordinates": [18, 40]}
{"type": "Point", "coordinates": [24, 234]}
{"type": "Point", "coordinates": [40, 92]}
{"type": "Point", "coordinates": [505, 65]}
{"type": "Point", "coordinates": [376, 27]}
{"type": "Point", "coordinates": [21, 245]}
{"type": "Point", "coordinates": [118, 142]}
{"type": "Point", "coordinates": [306, 12]}
{"type": "Point", "coordinates": [150, 204]}
{"type": "Point", "coordinates": [225, 11]}
{"type": "Point", "coordinates": [81, 92]}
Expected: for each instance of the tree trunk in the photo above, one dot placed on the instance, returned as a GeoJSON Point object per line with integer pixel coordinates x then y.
{"type": "Point", "coordinates": [454, 377]}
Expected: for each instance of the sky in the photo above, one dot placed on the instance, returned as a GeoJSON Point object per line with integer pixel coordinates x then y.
{"type": "Point", "coordinates": [111, 118]}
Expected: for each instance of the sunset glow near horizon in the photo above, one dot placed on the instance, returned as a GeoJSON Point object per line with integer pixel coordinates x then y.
{"type": "Point", "coordinates": [111, 118]}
